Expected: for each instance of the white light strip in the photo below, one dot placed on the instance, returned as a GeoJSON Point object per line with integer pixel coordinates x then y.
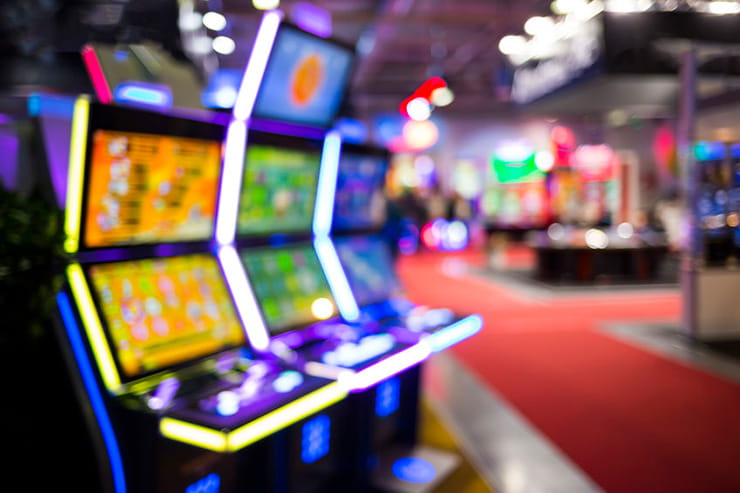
{"type": "Point", "coordinates": [244, 299]}
{"type": "Point", "coordinates": [457, 332]}
{"type": "Point", "coordinates": [324, 208]}
{"type": "Point", "coordinates": [231, 181]}
{"type": "Point", "coordinates": [391, 365]}
{"type": "Point", "coordinates": [256, 65]}
{"type": "Point", "coordinates": [337, 279]}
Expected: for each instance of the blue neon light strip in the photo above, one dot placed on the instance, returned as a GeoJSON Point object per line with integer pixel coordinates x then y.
{"type": "Point", "coordinates": [152, 95]}
{"type": "Point", "coordinates": [459, 331]}
{"type": "Point", "coordinates": [96, 400]}
{"type": "Point", "coordinates": [337, 279]}
{"type": "Point", "coordinates": [326, 188]}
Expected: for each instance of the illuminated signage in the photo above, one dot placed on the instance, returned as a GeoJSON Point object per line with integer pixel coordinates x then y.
{"type": "Point", "coordinates": [572, 57]}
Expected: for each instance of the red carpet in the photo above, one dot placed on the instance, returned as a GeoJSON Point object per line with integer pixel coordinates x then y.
{"type": "Point", "coordinates": [633, 421]}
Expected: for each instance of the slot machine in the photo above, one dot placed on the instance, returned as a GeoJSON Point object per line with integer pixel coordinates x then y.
{"type": "Point", "coordinates": [390, 409]}
{"type": "Point", "coordinates": [273, 227]}
{"type": "Point", "coordinates": [175, 399]}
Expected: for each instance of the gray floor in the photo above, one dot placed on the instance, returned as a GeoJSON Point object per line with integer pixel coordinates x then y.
{"type": "Point", "coordinates": [512, 455]}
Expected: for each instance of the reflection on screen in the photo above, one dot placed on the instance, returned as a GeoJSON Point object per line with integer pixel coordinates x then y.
{"type": "Point", "coordinates": [369, 268]}
{"type": "Point", "coordinates": [165, 311]}
{"type": "Point", "coordinates": [359, 200]}
{"type": "Point", "coordinates": [289, 285]}
{"type": "Point", "coordinates": [146, 188]}
{"type": "Point", "coordinates": [278, 190]}
{"type": "Point", "coordinates": [305, 79]}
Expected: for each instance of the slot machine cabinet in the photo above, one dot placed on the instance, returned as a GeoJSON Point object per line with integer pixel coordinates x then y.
{"type": "Point", "coordinates": [174, 397]}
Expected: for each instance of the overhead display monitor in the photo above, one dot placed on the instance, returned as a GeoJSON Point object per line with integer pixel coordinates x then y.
{"type": "Point", "coordinates": [279, 183]}
{"type": "Point", "coordinates": [359, 200]}
{"type": "Point", "coordinates": [159, 313]}
{"type": "Point", "coordinates": [369, 267]}
{"type": "Point", "coordinates": [305, 79]}
{"type": "Point", "coordinates": [148, 178]}
{"type": "Point", "coordinates": [289, 285]}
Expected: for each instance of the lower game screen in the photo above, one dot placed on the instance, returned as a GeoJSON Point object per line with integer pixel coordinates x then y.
{"type": "Point", "coordinates": [278, 190]}
{"type": "Point", "coordinates": [289, 285]}
{"type": "Point", "coordinates": [165, 311]}
{"type": "Point", "coordinates": [369, 268]}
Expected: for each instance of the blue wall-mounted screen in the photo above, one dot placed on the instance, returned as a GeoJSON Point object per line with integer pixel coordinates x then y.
{"type": "Point", "coordinates": [305, 79]}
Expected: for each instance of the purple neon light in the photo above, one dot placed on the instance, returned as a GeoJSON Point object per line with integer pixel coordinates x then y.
{"type": "Point", "coordinates": [287, 128]}
{"type": "Point", "coordinates": [256, 65]}
{"type": "Point", "coordinates": [231, 179]}
{"type": "Point", "coordinates": [9, 163]}
{"type": "Point", "coordinates": [312, 18]}
{"type": "Point", "coordinates": [390, 366]}
{"type": "Point", "coordinates": [244, 299]}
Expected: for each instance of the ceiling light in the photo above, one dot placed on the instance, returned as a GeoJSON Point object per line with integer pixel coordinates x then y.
{"type": "Point", "coordinates": [418, 109]}
{"type": "Point", "coordinates": [266, 4]}
{"type": "Point", "coordinates": [512, 44]}
{"type": "Point", "coordinates": [223, 45]}
{"type": "Point", "coordinates": [189, 21]}
{"type": "Point", "coordinates": [723, 7]}
{"type": "Point", "coordinates": [627, 6]}
{"type": "Point", "coordinates": [442, 96]}
{"type": "Point", "coordinates": [214, 21]}
{"type": "Point", "coordinates": [562, 7]}
{"type": "Point", "coordinates": [538, 25]}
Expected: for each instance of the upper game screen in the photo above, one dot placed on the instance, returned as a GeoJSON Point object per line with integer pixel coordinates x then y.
{"type": "Point", "coordinates": [165, 311]}
{"type": "Point", "coordinates": [289, 285]}
{"type": "Point", "coordinates": [278, 190]}
{"type": "Point", "coordinates": [359, 201]}
{"type": "Point", "coordinates": [145, 188]}
{"type": "Point", "coordinates": [305, 79]}
{"type": "Point", "coordinates": [369, 267]}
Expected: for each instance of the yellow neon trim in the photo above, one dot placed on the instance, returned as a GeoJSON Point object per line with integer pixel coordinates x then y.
{"type": "Point", "coordinates": [193, 434]}
{"type": "Point", "coordinates": [93, 328]}
{"type": "Point", "coordinates": [210, 439]}
{"type": "Point", "coordinates": [285, 416]}
{"type": "Point", "coordinates": [75, 174]}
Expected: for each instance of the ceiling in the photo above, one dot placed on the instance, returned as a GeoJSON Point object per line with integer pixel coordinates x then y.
{"type": "Point", "coordinates": [401, 43]}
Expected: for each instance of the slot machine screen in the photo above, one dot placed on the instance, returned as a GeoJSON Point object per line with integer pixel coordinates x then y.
{"type": "Point", "coordinates": [359, 201]}
{"type": "Point", "coordinates": [369, 267]}
{"type": "Point", "coordinates": [305, 78]}
{"type": "Point", "coordinates": [165, 311]}
{"type": "Point", "coordinates": [145, 188]}
{"type": "Point", "coordinates": [289, 285]}
{"type": "Point", "coordinates": [278, 190]}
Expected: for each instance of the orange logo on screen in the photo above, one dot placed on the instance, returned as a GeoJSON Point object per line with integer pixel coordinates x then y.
{"type": "Point", "coordinates": [307, 78]}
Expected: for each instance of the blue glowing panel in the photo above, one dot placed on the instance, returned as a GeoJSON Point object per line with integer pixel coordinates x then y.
{"type": "Point", "coordinates": [315, 443]}
{"type": "Point", "coordinates": [414, 470]}
{"type": "Point", "coordinates": [359, 201]}
{"type": "Point", "coordinates": [144, 93]}
{"type": "Point", "coordinates": [209, 484]}
{"type": "Point", "coordinates": [368, 264]}
{"type": "Point", "coordinates": [305, 79]}
{"type": "Point", "coordinates": [387, 397]}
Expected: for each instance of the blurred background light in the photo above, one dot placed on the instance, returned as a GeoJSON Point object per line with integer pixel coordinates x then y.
{"type": "Point", "coordinates": [538, 26]}
{"type": "Point", "coordinates": [442, 96]}
{"type": "Point", "coordinates": [544, 160]}
{"type": "Point", "coordinates": [223, 45]}
{"type": "Point", "coordinates": [214, 21]}
{"type": "Point", "coordinates": [418, 109]}
{"type": "Point", "coordinates": [512, 44]}
{"type": "Point", "coordinates": [266, 4]}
